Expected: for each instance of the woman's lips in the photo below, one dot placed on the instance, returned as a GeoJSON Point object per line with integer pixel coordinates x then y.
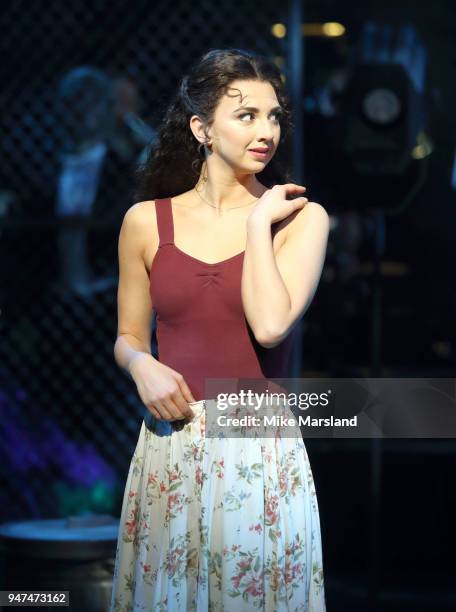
{"type": "Point", "coordinates": [258, 154]}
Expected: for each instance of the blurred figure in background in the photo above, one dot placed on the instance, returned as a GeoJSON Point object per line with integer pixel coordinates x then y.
{"type": "Point", "coordinates": [131, 133]}
{"type": "Point", "coordinates": [104, 140]}
{"type": "Point", "coordinates": [86, 98]}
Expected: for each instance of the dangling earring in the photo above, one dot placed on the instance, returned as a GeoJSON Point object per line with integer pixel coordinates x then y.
{"type": "Point", "coordinates": [201, 146]}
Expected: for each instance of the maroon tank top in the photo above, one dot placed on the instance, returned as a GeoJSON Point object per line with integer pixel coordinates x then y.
{"type": "Point", "coordinates": [201, 328]}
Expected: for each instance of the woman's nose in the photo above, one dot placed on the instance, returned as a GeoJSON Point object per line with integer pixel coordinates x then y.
{"type": "Point", "coordinates": [265, 131]}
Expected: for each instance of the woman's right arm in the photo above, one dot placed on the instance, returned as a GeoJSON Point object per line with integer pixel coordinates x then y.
{"type": "Point", "coordinates": [163, 390]}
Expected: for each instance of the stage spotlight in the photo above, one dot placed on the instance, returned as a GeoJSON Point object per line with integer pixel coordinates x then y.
{"type": "Point", "coordinates": [382, 106]}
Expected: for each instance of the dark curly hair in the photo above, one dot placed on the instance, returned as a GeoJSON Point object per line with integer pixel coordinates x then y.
{"type": "Point", "coordinates": [173, 166]}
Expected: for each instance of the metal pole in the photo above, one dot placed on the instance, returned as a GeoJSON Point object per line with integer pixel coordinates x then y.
{"type": "Point", "coordinates": [375, 544]}
{"type": "Point", "coordinates": [295, 80]}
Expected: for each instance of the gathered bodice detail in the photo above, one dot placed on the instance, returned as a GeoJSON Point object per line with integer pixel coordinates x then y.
{"type": "Point", "coordinates": [201, 327]}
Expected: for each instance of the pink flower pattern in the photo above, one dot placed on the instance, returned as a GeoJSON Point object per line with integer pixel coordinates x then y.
{"type": "Point", "coordinates": [234, 520]}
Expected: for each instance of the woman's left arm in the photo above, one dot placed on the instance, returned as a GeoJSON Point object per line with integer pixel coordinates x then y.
{"type": "Point", "coordinates": [278, 289]}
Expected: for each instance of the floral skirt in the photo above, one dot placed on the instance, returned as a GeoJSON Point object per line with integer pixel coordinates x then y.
{"type": "Point", "coordinates": [216, 524]}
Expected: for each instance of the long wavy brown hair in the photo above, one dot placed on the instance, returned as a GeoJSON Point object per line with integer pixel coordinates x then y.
{"type": "Point", "coordinates": [174, 165]}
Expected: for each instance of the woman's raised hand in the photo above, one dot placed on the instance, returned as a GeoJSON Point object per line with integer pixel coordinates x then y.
{"type": "Point", "coordinates": [162, 390]}
{"type": "Point", "coordinates": [273, 204]}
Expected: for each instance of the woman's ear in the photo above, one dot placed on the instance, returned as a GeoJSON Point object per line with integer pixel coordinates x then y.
{"type": "Point", "coordinates": [197, 127]}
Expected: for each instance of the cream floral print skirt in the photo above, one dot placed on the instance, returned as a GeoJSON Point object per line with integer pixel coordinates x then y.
{"type": "Point", "coordinates": [218, 524]}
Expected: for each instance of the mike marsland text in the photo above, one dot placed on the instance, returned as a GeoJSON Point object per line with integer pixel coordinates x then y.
{"type": "Point", "coordinates": [284, 421]}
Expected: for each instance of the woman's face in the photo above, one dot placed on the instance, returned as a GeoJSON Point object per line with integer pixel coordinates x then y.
{"type": "Point", "coordinates": [247, 117]}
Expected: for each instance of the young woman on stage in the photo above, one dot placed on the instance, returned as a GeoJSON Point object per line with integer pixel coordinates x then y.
{"type": "Point", "coordinates": [229, 264]}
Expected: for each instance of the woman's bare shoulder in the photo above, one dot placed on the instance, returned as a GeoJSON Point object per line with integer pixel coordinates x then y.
{"type": "Point", "coordinates": [144, 213]}
{"type": "Point", "coordinates": [312, 213]}
{"type": "Point", "coordinates": [141, 209]}
{"type": "Point", "coordinates": [140, 224]}
{"type": "Point", "coordinates": [141, 219]}
{"type": "Point", "coordinates": [141, 215]}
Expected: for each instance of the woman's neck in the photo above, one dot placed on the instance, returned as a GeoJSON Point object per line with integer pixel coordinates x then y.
{"type": "Point", "coordinates": [226, 195]}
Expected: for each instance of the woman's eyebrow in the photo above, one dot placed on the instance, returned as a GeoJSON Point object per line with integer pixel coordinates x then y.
{"type": "Point", "coordinates": [256, 110]}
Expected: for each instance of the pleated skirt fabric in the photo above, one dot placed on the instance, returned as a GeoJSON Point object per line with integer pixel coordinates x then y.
{"type": "Point", "coordinates": [218, 524]}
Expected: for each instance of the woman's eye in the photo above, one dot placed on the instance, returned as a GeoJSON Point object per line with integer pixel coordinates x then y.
{"type": "Point", "coordinates": [276, 115]}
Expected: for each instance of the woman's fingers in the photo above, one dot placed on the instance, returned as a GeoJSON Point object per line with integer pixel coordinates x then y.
{"type": "Point", "coordinates": [174, 405]}
{"type": "Point", "coordinates": [163, 410]}
{"type": "Point", "coordinates": [173, 408]}
{"type": "Point", "coordinates": [300, 201]}
{"type": "Point", "coordinates": [291, 188]}
{"type": "Point", "coordinates": [182, 406]}
{"type": "Point", "coordinates": [187, 397]}
{"type": "Point", "coordinates": [154, 412]}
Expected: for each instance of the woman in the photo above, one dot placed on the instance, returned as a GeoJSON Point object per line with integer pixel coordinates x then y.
{"type": "Point", "coordinates": [210, 523]}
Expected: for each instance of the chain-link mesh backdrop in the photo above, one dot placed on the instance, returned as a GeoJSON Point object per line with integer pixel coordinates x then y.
{"type": "Point", "coordinates": [69, 417]}
{"type": "Point", "coordinates": [83, 89]}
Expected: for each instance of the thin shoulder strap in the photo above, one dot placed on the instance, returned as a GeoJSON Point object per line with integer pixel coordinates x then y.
{"type": "Point", "coordinates": [165, 225]}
